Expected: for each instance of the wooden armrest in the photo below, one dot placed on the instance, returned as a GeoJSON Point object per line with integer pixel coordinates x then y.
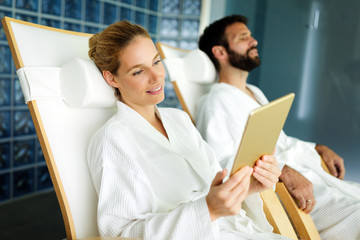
{"type": "Point", "coordinates": [323, 165]}
{"type": "Point", "coordinates": [302, 222]}
{"type": "Point", "coordinates": [276, 214]}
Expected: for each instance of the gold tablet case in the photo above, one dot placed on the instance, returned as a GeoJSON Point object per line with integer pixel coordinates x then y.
{"type": "Point", "coordinates": [262, 131]}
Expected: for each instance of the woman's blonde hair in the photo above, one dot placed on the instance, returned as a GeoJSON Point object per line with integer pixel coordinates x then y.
{"type": "Point", "coordinates": [106, 45]}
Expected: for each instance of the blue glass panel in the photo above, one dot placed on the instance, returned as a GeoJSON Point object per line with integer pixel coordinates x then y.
{"type": "Point", "coordinates": [152, 24]}
{"type": "Point", "coordinates": [127, 1]}
{"type": "Point", "coordinates": [18, 94]}
{"type": "Point", "coordinates": [23, 124]}
{"type": "Point", "coordinates": [3, 14]}
{"type": "Point", "coordinates": [125, 14]}
{"type": "Point", "coordinates": [50, 23]}
{"type": "Point", "coordinates": [72, 26]}
{"type": "Point", "coordinates": [23, 182]}
{"type": "Point", "coordinates": [26, 18]}
{"type": "Point", "coordinates": [92, 11]}
{"type": "Point", "coordinates": [51, 7]}
{"type": "Point", "coordinates": [154, 5]}
{"type": "Point", "coordinates": [4, 155]}
{"type": "Point", "coordinates": [5, 59]}
{"type": "Point", "coordinates": [154, 40]}
{"type": "Point", "coordinates": [31, 5]}
{"type": "Point", "coordinates": [73, 9]}
{"type": "Point", "coordinates": [89, 29]}
{"type": "Point", "coordinates": [40, 154]}
{"type": "Point", "coordinates": [171, 6]}
{"type": "Point", "coordinates": [109, 13]}
{"type": "Point", "coordinates": [43, 178]}
{"type": "Point", "coordinates": [141, 3]}
{"type": "Point", "coordinates": [192, 7]}
{"type": "Point", "coordinates": [169, 42]}
{"type": "Point", "coordinates": [24, 152]}
{"type": "Point", "coordinates": [169, 27]}
{"type": "Point", "coordinates": [5, 124]}
{"type": "Point", "coordinates": [171, 99]}
{"type": "Point", "coordinates": [190, 28]}
{"type": "Point", "coordinates": [5, 91]}
{"type": "Point", "coordinates": [188, 45]}
{"type": "Point", "coordinates": [140, 18]}
{"type": "Point", "coordinates": [6, 3]}
{"type": "Point", "coordinates": [4, 186]}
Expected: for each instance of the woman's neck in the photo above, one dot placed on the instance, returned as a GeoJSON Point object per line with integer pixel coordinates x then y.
{"type": "Point", "coordinates": [149, 114]}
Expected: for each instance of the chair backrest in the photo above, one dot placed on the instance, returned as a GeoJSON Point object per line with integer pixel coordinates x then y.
{"type": "Point", "coordinates": [68, 100]}
{"type": "Point", "coordinates": [191, 72]}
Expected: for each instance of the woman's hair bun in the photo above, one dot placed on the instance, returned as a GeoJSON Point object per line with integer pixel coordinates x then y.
{"type": "Point", "coordinates": [93, 41]}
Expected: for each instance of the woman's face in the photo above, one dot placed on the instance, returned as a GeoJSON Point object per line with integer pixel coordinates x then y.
{"type": "Point", "coordinates": [141, 75]}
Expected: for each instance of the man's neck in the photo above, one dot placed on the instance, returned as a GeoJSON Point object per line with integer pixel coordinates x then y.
{"type": "Point", "coordinates": [234, 76]}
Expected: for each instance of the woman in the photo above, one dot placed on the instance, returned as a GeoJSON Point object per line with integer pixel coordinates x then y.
{"type": "Point", "coordinates": [154, 175]}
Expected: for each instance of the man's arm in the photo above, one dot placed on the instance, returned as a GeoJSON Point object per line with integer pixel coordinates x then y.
{"type": "Point", "coordinates": [299, 187]}
{"type": "Point", "coordinates": [333, 161]}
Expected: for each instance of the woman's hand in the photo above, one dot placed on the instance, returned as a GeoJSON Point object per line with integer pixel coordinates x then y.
{"type": "Point", "coordinates": [225, 199]}
{"type": "Point", "coordinates": [266, 173]}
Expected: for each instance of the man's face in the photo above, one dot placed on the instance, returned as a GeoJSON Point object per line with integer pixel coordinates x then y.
{"type": "Point", "coordinates": [242, 49]}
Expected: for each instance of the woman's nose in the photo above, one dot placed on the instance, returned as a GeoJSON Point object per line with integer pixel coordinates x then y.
{"type": "Point", "coordinates": [157, 74]}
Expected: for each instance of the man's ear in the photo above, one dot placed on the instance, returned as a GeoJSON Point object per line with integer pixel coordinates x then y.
{"type": "Point", "coordinates": [219, 52]}
{"type": "Point", "coordinates": [110, 79]}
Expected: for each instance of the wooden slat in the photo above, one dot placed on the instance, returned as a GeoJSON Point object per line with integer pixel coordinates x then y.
{"type": "Point", "coordinates": [302, 222]}
{"type": "Point", "coordinates": [181, 100]}
{"type": "Point", "coordinates": [276, 214]}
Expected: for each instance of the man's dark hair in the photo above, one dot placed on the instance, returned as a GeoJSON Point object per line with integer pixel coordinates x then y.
{"type": "Point", "coordinates": [214, 35]}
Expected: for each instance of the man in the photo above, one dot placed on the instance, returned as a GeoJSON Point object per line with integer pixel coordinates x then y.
{"type": "Point", "coordinates": [221, 117]}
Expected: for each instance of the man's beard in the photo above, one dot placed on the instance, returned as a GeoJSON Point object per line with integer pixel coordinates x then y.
{"type": "Point", "coordinates": [243, 62]}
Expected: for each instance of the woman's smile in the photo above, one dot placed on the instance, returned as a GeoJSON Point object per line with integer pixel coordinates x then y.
{"type": "Point", "coordinates": [155, 90]}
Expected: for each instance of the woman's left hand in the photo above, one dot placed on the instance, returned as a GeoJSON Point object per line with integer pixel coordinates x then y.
{"type": "Point", "coordinates": [266, 172]}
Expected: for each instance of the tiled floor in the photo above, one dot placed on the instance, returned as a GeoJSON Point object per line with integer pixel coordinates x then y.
{"type": "Point", "coordinates": [37, 217]}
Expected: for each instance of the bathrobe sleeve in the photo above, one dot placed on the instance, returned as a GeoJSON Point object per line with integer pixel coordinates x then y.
{"type": "Point", "coordinates": [127, 205]}
{"type": "Point", "coordinates": [215, 122]}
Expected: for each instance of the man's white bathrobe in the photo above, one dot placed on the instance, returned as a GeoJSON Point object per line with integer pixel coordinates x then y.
{"type": "Point", "coordinates": [154, 188]}
{"type": "Point", "coordinates": [221, 118]}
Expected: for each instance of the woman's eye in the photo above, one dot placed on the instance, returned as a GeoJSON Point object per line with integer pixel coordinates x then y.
{"type": "Point", "coordinates": [137, 73]}
{"type": "Point", "coordinates": [157, 62]}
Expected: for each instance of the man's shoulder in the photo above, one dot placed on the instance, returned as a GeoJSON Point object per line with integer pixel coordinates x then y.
{"type": "Point", "coordinates": [217, 95]}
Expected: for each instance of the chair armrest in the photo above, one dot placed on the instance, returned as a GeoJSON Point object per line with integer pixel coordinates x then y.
{"type": "Point", "coordinates": [303, 222]}
{"type": "Point", "coordinates": [323, 165]}
{"type": "Point", "coordinates": [276, 215]}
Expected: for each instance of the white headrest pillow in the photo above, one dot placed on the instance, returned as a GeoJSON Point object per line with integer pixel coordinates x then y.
{"type": "Point", "coordinates": [82, 85]}
{"type": "Point", "coordinates": [195, 66]}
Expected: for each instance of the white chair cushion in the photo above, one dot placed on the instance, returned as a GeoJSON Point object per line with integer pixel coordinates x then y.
{"type": "Point", "coordinates": [195, 67]}
{"type": "Point", "coordinates": [82, 85]}
{"type": "Point", "coordinates": [39, 82]}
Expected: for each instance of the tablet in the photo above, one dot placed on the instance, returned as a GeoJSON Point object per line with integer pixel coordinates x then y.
{"type": "Point", "coordinates": [262, 131]}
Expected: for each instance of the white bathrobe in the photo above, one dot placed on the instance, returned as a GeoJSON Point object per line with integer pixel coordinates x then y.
{"type": "Point", "coordinates": [154, 188]}
{"type": "Point", "coordinates": [221, 118]}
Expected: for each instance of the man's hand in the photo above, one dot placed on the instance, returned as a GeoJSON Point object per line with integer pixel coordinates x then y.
{"type": "Point", "coordinates": [299, 187]}
{"type": "Point", "coordinates": [333, 161]}
{"type": "Point", "coordinates": [266, 173]}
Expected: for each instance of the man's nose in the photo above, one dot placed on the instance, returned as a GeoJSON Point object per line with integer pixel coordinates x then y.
{"type": "Point", "coordinates": [253, 42]}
